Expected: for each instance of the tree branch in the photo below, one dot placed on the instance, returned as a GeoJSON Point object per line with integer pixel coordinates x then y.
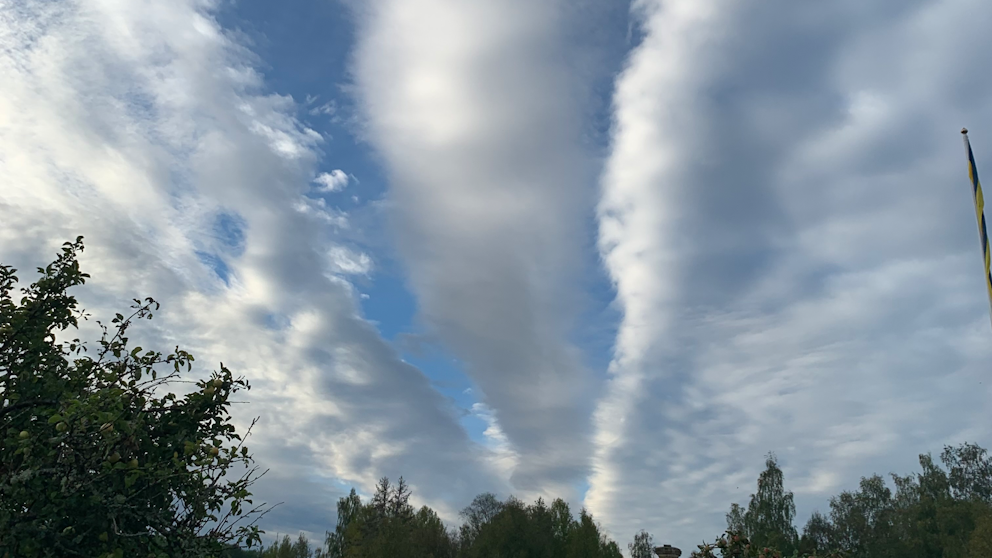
{"type": "Point", "coordinates": [25, 404]}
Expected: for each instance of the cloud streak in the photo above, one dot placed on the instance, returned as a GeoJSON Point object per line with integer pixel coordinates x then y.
{"type": "Point", "coordinates": [480, 124]}
{"type": "Point", "coordinates": [779, 220]}
{"type": "Point", "coordinates": [144, 127]}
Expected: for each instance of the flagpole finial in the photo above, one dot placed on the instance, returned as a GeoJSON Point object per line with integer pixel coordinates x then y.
{"type": "Point", "coordinates": [964, 130]}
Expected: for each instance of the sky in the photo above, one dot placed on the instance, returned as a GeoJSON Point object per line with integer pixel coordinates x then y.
{"type": "Point", "coordinates": [609, 251]}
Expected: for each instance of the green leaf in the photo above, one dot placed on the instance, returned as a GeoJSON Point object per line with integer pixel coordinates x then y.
{"type": "Point", "coordinates": [55, 418]}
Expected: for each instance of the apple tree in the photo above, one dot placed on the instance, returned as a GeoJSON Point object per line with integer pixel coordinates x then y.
{"type": "Point", "coordinates": [98, 458]}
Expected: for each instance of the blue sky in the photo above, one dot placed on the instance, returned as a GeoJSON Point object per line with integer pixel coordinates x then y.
{"type": "Point", "coordinates": [614, 252]}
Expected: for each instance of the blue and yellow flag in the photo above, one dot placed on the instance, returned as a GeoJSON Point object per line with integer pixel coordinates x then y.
{"type": "Point", "coordinates": [976, 188]}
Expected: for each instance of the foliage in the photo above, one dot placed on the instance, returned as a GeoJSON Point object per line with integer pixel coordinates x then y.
{"type": "Point", "coordinates": [287, 548]}
{"type": "Point", "coordinates": [940, 512]}
{"type": "Point", "coordinates": [771, 511]}
{"type": "Point", "coordinates": [386, 526]}
{"type": "Point", "coordinates": [95, 459]}
{"type": "Point", "coordinates": [642, 547]}
{"type": "Point", "coordinates": [737, 545]}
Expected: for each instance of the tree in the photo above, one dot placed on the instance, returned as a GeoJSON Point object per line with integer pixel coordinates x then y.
{"type": "Point", "coordinates": [534, 531]}
{"type": "Point", "coordinates": [969, 472]}
{"type": "Point", "coordinates": [287, 548]}
{"type": "Point", "coordinates": [479, 513]}
{"type": "Point", "coordinates": [349, 515]}
{"type": "Point", "coordinates": [430, 538]}
{"type": "Point", "coordinates": [818, 534]}
{"type": "Point", "coordinates": [768, 521]}
{"type": "Point", "coordinates": [935, 513]}
{"type": "Point", "coordinates": [643, 545]}
{"type": "Point", "coordinates": [735, 519]}
{"type": "Point", "coordinates": [862, 521]}
{"type": "Point", "coordinates": [399, 500]}
{"type": "Point", "coordinates": [97, 459]}
{"type": "Point", "coordinates": [387, 526]}
{"type": "Point", "coordinates": [980, 541]}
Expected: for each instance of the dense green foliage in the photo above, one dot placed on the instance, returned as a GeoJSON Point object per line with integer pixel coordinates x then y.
{"type": "Point", "coordinates": [388, 526]}
{"type": "Point", "coordinates": [96, 459]}
{"type": "Point", "coordinates": [940, 512]}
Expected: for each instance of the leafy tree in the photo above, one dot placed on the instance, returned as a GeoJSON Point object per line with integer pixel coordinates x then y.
{"type": "Point", "coordinates": [643, 545]}
{"type": "Point", "coordinates": [737, 545]}
{"type": "Point", "coordinates": [562, 524]}
{"type": "Point", "coordinates": [980, 541]}
{"type": "Point", "coordinates": [818, 534]}
{"type": "Point", "coordinates": [349, 516]}
{"type": "Point", "coordinates": [387, 526]}
{"type": "Point", "coordinates": [862, 520]}
{"type": "Point", "coordinates": [768, 520]}
{"type": "Point", "coordinates": [969, 472]}
{"type": "Point", "coordinates": [534, 531]}
{"type": "Point", "coordinates": [478, 514]}
{"type": "Point", "coordinates": [287, 548]}
{"type": "Point", "coordinates": [940, 512]}
{"type": "Point", "coordinates": [430, 538]}
{"type": "Point", "coordinates": [97, 459]}
{"type": "Point", "coordinates": [735, 519]}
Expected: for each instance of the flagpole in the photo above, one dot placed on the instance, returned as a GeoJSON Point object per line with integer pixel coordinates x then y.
{"type": "Point", "coordinates": [983, 235]}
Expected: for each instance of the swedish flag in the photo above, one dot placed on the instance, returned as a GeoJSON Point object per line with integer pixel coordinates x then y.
{"type": "Point", "coordinates": [976, 188]}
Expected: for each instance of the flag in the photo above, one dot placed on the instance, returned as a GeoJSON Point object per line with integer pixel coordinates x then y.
{"type": "Point", "coordinates": [976, 190]}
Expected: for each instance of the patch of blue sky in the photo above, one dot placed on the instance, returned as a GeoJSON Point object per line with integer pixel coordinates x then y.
{"type": "Point", "coordinates": [217, 264]}
{"type": "Point", "coordinates": [389, 305]}
{"type": "Point", "coordinates": [229, 229]}
{"type": "Point", "coordinates": [597, 320]}
{"type": "Point", "coordinates": [275, 322]}
{"type": "Point", "coordinates": [305, 47]}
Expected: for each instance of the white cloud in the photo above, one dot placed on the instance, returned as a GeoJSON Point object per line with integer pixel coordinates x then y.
{"type": "Point", "coordinates": [479, 122]}
{"type": "Point", "coordinates": [781, 219]}
{"type": "Point", "coordinates": [506, 458]}
{"type": "Point", "coordinates": [348, 262]}
{"type": "Point", "coordinates": [140, 125]}
{"type": "Point", "coordinates": [333, 181]}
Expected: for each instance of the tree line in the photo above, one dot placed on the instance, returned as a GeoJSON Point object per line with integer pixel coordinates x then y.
{"type": "Point", "coordinates": [387, 525]}
{"type": "Point", "coordinates": [943, 511]}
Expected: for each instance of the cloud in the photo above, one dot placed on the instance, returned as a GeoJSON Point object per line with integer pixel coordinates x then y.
{"type": "Point", "coordinates": [783, 213]}
{"type": "Point", "coordinates": [333, 181]}
{"type": "Point", "coordinates": [348, 262]}
{"type": "Point", "coordinates": [786, 219]}
{"type": "Point", "coordinates": [480, 123]}
{"type": "Point", "coordinates": [144, 127]}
